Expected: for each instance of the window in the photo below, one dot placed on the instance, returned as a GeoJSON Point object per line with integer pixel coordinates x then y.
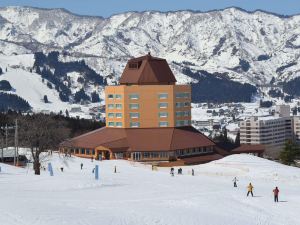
{"type": "Point", "coordinates": [178, 114]}
{"type": "Point", "coordinates": [133, 65]}
{"type": "Point", "coordinates": [110, 115]}
{"type": "Point", "coordinates": [110, 96]}
{"type": "Point", "coordinates": [134, 96]}
{"type": "Point", "coordinates": [119, 124]}
{"type": "Point", "coordinates": [111, 124]}
{"type": "Point", "coordinates": [163, 105]}
{"type": "Point", "coordinates": [118, 115]}
{"type": "Point", "coordinates": [134, 115]}
{"type": "Point", "coordinates": [182, 95]}
{"type": "Point", "coordinates": [87, 152]}
{"type": "Point", "coordinates": [163, 124]}
{"type": "Point", "coordinates": [163, 95]}
{"type": "Point", "coordinates": [110, 106]}
{"type": "Point", "coordinates": [134, 106]}
{"type": "Point", "coordinates": [179, 123]}
{"type": "Point", "coordinates": [117, 96]}
{"type": "Point", "coordinates": [186, 104]}
{"type": "Point", "coordinates": [118, 106]}
{"type": "Point", "coordinates": [179, 104]}
{"type": "Point", "coordinates": [134, 124]}
{"type": "Point", "coordinates": [186, 113]}
{"type": "Point", "coordinates": [82, 151]}
{"type": "Point", "coordinates": [163, 114]}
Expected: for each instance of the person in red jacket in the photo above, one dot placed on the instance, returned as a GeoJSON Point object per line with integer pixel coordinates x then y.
{"type": "Point", "coordinates": [276, 192]}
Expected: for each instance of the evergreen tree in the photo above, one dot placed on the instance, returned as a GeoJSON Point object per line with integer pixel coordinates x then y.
{"type": "Point", "coordinates": [46, 99]}
{"type": "Point", "coordinates": [81, 95]}
{"type": "Point", "coordinates": [289, 153]}
{"type": "Point", "coordinates": [67, 113]}
{"type": "Point", "coordinates": [95, 97]}
{"type": "Point", "coordinates": [237, 141]}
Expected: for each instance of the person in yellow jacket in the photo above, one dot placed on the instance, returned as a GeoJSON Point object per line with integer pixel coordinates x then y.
{"type": "Point", "coordinates": [250, 189]}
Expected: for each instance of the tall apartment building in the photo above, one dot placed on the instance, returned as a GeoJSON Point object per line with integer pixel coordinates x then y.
{"type": "Point", "coordinates": [148, 118]}
{"type": "Point", "coordinates": [270, 131]}
{"type": "Point", "coordinates": [296, 120]}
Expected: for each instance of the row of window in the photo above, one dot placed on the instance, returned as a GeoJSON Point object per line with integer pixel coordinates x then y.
{"type": "Point", "coordinates": [183, 113]}
{"type": "Point", "coordinates": [135, 124]}
{"type": "Point", "coordinates": [161, 105]}
{"type": "Point", "coordinates": [134, 115]}
{"type": "Point", "coordinates": [83, 151]}
{"type": "Point", "coordinates": [182, 123]}
{"type": "Point", "coordinates": [160, 95]}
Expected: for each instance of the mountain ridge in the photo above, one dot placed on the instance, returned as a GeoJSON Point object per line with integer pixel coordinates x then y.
{"type": "Point", "coordinates": [254, 47]}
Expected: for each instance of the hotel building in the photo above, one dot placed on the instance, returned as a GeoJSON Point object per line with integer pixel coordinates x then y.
{"type": "Point", "coordinates": [148, 118]}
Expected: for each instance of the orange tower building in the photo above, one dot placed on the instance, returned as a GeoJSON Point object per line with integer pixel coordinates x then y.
{"type": "Point", "coordinates": [148, 97]}
{"type": "Point", "coordinates": [148, 118]}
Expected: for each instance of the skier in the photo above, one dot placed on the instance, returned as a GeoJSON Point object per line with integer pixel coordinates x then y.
{"type": "Point", "coordinates": [172, 171]}
{"type": "Point", "coordinates": [235, 180]}
{"type": "Point", "coordinates": [193, 172]}
{"type": "Point", "coordinates": [250, 189]}
{"type": "Point", "coordinates": [93, 170]}
{"type": "Point", "coordinates": [276, 192]}
{"type": "Point", "coordinates": [81, 165]}
{"type": "Point", "coordinates": [62, 169]}
{"type": "Point", "coordinates": [115, 171]}
{"type": "Point", "coordinates": [92, 158]}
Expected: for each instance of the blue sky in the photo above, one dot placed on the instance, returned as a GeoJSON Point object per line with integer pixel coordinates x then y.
{"type": "Point", "coordinates": [109, 7]}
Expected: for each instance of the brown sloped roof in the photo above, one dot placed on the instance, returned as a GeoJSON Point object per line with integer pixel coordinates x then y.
{"type": "Point", "coordinates": [141, 139]}
{"type": "Point", "coordinates": [244, 148]}
{"type": "Point", "coordinates": [189, 137]}
{"type": "Point", "coordinates": [150, 70]}
{"type": "Point", "coordinates": [100, 137]}
{"type": "Point", "coordinates": [201, 159]}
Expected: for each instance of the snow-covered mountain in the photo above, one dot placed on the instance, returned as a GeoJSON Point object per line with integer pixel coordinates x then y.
{"type": "Point", "coordinates": [247, 47]}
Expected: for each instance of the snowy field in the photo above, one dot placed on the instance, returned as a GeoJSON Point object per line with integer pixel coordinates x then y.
{"type": "Point", "coordinates": [135, 195]}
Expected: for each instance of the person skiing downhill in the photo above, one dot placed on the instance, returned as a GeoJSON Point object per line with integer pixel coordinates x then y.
{"type": "Point", "coordinates": [276, 193]}
{"type": "Point", "coordinates": [250, 189]}
{"type": "Point", "coordinates": [235, 180]}
{"type": "Point", "coordinates": [81, 165]}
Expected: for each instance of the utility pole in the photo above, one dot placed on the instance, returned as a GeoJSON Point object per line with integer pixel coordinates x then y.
{"type": "Point", "coordinates": [16, 156]}
{"type": "Point", "coordinates": [6, 137]}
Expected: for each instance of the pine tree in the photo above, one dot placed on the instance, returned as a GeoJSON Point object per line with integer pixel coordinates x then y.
{"type": "Point", "coordinates": [46, 99]}
{"type": "Point", "coordinates": [67, 113]}
{"type": "Point", "coordinates": [237, 141]}
{"type": "Point", "coordinates": [289, 153]}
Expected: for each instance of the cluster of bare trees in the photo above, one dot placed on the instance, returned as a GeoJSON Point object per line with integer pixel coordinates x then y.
{"type": "Point", "coordinates": [40, 134]}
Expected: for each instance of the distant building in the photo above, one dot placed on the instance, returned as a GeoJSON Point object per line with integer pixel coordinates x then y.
{"type": "Point", "coordinates": [270, 131]}
{"type": "Point", "coordinates": [148, 118]}
{"type": "Point", "coordinates": [296, 127]}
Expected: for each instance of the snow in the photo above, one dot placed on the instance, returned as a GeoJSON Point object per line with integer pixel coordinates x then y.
{"type": "Point", "coordinates": [137, 195]}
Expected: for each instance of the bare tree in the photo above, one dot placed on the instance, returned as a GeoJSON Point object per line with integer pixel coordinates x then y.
{"type": "Point", "coordinates": [40, 133]}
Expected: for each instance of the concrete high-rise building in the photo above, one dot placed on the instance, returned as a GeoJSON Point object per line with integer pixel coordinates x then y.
{"type": "Point", "coordinates": [270, 131]}
{"type": "Point", "coordinates": [296, 120]}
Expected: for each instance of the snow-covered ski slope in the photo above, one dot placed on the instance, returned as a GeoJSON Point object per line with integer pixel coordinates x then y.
{"type": "Point", "coordinates": [135, 195]}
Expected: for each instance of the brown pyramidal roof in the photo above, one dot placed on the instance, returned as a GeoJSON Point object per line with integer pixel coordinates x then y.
{"type": "Point", "coordinates": [147, 70]}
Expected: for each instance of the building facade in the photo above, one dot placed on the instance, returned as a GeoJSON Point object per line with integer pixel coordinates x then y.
{"type": "Point", "coordinates": [148, 118]}
{"type": "Point", "coordinates": [270, 131]}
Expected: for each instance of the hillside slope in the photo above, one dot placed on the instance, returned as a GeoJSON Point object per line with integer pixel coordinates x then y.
{"type": "Point", "coordinates": [137, 195]}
